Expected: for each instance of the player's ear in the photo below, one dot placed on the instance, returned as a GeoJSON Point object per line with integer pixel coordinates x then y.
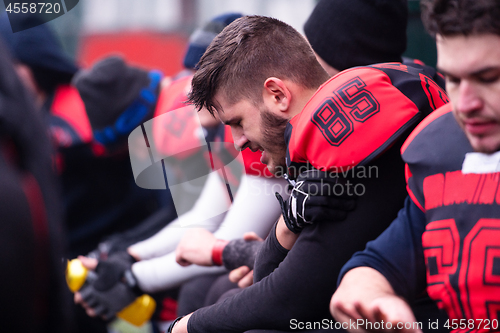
{"type": "Point", "coordinates": [276, 95]}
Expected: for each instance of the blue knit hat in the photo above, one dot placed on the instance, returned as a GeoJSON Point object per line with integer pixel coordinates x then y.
{"type": "Point", "coordinates": [201, 38]}
{"type": "Point", "coordinates": [38, 48]}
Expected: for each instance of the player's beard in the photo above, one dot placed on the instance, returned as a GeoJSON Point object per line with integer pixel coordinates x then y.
{"type": "Point", "coordinates": [274, 140]}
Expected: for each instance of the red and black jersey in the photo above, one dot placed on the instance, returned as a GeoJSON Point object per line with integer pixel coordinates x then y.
{"type": "Point", "coordinates": [429, 71]}
{"type": "Point", "coordinates": [173, 136]}
{"type": "Point", "coordinates": [176, 133]}
{"type": "Point", "coordinates": [68, 121]}
{"type": "Point", "coordinates": [358, 114]}
{"type": "Point", "coordinates": [461, 241]}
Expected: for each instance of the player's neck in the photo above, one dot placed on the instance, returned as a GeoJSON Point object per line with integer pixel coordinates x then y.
{"type": "Point", "coordinates": [301, 97]}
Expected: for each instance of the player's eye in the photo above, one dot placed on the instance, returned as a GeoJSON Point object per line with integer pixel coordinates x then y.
{"type": "Point", "coordinates": [452, 79]}
{"type": "Point", "coordinates": [489, 78]}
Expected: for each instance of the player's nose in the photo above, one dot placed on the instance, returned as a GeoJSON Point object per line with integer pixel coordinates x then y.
{"type": "Point", "coordinates": [240, 140]}
{"type": "Point", "coordinates": [468, 99]}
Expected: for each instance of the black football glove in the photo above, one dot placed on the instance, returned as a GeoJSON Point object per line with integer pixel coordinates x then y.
{"type": "Point", "coordinates": [112, 286]}
{"type": "Point", "coordinates": [316, 196]}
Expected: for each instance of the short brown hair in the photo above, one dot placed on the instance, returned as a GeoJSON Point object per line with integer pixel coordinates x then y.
{"type": "Point", "coordinates": [461, 17]}
{"type": "Point", "coordinates": [245, 54]}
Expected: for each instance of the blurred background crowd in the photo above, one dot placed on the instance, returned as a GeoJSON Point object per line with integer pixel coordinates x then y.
{"type": "Point", "coordinates": [154, 33]}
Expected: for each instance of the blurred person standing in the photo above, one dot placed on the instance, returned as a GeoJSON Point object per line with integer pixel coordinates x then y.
{"type": "Point", "coordinates": [100, 196]}
{"type": "Point", "coordinates": [34, 294]}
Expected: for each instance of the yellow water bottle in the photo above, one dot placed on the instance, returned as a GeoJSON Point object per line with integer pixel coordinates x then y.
{"type": "Point", "coordinates": [137, 313]}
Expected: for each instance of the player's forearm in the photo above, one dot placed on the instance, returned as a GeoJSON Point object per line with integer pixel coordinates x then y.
{"type": "Point", "coordinates": [164, 273]}
{"type": "Point", "coordinates": [270, 255]}
{"type": "Point", "coordinates": [209, 211]}
{"type": "Point", "coordinates": [181, 326]}
{"type": "Point", "coordinates": [284, 236]}
{"type": "Point", "coordinates": [300, 288]}
{"type": "Point", "coordinates": [166, 240]}
{"type": "Point", "coordinates": [255, 208]}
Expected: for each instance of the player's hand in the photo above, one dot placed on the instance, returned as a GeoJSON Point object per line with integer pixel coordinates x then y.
{"type": "Point", "coordinates": [316, 196]}
{"type": "Point", "coordinates": [90, 264]}
{"type": "Point", "coordinates": [241, 252]}
{"type": "Point", "coordinates": [251, 236]}
{"type": "Point", "coordinates": [195, 248]}
{"type": "Point", "coordinates": [383, 314]}
{"type": "Point", "coordinates": [243, 276]}
{"type": "Point", "coordinates": [111, 288]}
{"type": "Point", "coordinates": [365, 296]}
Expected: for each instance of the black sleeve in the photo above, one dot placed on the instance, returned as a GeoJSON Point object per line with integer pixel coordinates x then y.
{"type": "Point", "coordinates": [397, 253]}
{"type": "Point", "coordinates": [271, 254]}
{"type": "Point", "coordinates": [303, 284]}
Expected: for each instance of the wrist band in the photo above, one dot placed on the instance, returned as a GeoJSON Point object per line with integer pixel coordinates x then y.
{"type": "Point", "coordinates": [219, 246]}
{"type": "Point", "coordinates": [171, 327]}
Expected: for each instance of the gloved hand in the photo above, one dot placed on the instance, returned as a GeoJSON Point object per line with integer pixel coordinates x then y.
{"type": "Point", "coordinates": [112, 286]}
{"type": "Point", "coordinates": [240, 252]}
{"type": "Point", "coordinates": [316, 196]}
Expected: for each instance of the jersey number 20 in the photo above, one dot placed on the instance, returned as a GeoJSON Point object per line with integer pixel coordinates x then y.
{"type": "Point", "coordinates": [478, 294]}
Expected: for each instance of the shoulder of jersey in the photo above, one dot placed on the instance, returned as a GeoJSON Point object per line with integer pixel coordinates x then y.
{"type": "Point", "coordinates": [173, 94]}
{"type": "Point", "coordinates": [437, 144]}
{"type": "Point", "coordinates": [436, 147]}
{"type": "Point", "coordinates": [359, 113]}
{"type": "Point", "coordinates": [176, 128]}
{"type": "Point", "coordinates": [68, 121]}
